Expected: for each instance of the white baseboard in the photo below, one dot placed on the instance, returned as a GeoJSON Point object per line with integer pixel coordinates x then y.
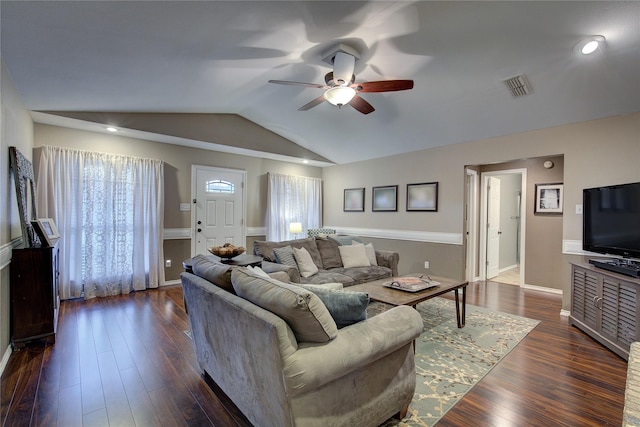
{"type": "Point", "coordinates": [171, 282]}
{"type": "Point", "coordinates": [565, 313]}
{"type": "Point", "coordinates": [5, 359]}
{"type": "Point", "coordinates": [543, 289]}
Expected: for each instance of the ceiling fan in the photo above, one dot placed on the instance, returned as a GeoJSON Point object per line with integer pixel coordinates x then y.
{"type": "Point", "coordinates": [340, 87]}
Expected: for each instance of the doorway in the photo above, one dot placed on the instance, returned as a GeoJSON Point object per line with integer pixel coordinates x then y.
{"type": "Point", "coordinates": [501, 242]}
{"type": "Point", "coordinates": [218, 214]}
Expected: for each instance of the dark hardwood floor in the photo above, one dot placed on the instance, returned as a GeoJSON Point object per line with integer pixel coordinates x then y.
{"type": "Point", "coordinates": [125, 361]}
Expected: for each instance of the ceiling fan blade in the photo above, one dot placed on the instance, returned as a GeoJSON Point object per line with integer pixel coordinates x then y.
{"type": "Point", "coordinates": [309, 105]}
{"type": "Point", "coordinates": [286, 82]}
{"type": "Point", "coordinates": [361, 105]}
{"type": "Point", "coordinates": [383, 86]}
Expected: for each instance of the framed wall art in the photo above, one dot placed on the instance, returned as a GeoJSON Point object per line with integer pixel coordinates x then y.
{"type": "Point", "coordinates": [46, 230]}
{"type": "Point", "coordinates": [353, 200]}
{"type": "Point", "coordinates": [422, 197]}
{"type": "Point", "coordinates": [385, 199]}
{"type": "Point", "coordinates": [549, 198]}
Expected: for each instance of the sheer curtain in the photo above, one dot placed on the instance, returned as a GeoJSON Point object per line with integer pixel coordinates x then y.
{"type": "Point", "coordinates": [109, 210]}
{"type": "Point", "coordinates": [292, 199]}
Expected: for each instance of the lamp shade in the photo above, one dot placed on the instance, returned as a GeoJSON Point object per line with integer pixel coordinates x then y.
{"type": "Point", "coordinates": [295, 227]}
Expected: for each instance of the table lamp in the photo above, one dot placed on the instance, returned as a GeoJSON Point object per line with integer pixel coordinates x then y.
{"type": "Point", "coordinates": [295, 228]}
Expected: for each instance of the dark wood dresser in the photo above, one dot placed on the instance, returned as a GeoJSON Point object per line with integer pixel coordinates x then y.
{"type": "Point", "coordinates": [34, 294]}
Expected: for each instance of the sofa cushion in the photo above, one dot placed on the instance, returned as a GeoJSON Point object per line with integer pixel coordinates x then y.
{"type": "Point", "coordinates": [329, 253]}
{"type": "Point", "coordinates": [303, 311]}
{"type": "Point", "coordinates": [365, 274]}
{"type": "Point", "coordinates": [305, 263]}
{"type": "Point", "coordinates": [354, 256]}
{"type": "Point", "coordinates": [344, 240]}
{"type": "Point", "coordinates": [345, 307]}
{"type": "Point", "coordinates": [217, 273]}
{"type": "Point", "coordinates": [335, 275]}
{"type": "Point", "coordinates": [285, 256]}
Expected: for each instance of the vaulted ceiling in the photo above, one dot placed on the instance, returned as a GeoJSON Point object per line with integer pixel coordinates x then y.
{"type": "Point", "coordinates": [216, 57]}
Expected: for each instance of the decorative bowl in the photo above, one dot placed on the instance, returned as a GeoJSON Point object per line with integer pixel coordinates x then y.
{"type": "Point", "coordinates": [227, 252]}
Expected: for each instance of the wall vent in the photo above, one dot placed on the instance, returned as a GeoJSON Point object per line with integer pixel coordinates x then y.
{"type": "Point", "coordinates": [519, 85]}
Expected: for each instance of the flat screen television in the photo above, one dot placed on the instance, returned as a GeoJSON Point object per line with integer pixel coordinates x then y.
{"type": "Point", "coordinates": [612, 220]}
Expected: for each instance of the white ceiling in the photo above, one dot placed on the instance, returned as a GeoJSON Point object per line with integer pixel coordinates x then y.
{"type": "Point", "coordinates": [216, 57]}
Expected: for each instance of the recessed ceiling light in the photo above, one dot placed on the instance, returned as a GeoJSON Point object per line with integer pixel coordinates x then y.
{"type": "Point", "coordinates": [112, 129]}
{"type": "Point", "coordinates": [589, 45]}
{"type": "Point", "coordinates": [305, 161]}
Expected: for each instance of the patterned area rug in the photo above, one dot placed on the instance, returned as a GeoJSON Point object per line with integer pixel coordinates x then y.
{"type": "Point", "coordinates": [450, 361]}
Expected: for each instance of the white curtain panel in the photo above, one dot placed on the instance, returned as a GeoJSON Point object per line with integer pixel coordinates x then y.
{"type": "Point", "coordinates": [109, 210]}
{"type": "Point", "coordinates": [292, 199]}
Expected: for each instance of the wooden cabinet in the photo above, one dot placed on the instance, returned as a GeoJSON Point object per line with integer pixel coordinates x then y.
{"type": "Point", "coordinates": [606, 306]}
{"type": "Point", "coordinates": [34, 295]}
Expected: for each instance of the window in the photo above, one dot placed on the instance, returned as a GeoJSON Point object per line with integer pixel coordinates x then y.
{"type": "Point", "coordinates": [220, 186]}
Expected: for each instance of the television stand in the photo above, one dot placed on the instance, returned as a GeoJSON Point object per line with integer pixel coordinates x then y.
{"type": "Point", "coordinates": [618, 265]}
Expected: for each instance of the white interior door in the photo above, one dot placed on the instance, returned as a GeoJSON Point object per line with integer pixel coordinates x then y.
{"type": "Point", "coordinates": [218, 209]}
{"type": "Point", "coordinates": [493, 227]}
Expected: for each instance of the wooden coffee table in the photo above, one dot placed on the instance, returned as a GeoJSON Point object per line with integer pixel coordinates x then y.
{"type": "Point", "coordinates": [380, 293]}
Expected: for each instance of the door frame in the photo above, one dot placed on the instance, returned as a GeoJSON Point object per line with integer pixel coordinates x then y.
{"type": "Point", "coordinates": [482, 271]}
{"type": "Point", "coordinates": [194, 170]}
{"type": "Point", "coordinates": [471, 221]}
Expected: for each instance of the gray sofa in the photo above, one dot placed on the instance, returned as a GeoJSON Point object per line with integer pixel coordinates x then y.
{"type": "Point", "coordinates": [325, 254]}
{"type": "Point", "coordinates": [363, 376]}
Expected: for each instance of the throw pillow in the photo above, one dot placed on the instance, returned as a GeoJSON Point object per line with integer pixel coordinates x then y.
{"type": "Point", "coordinates": [354, 256]}
{"type": "Point", "coordinates": [345, 307]}
{"type": "Point", "coordinates": [285, 256]}
{"type": "Point", "coordinates": [305, 263]}
{"type": "Point", "coordinates": [258, 271]}
{"type": "Point", "coordinates": [370, 251]}
{"type": "Point", "coordinates": [329, 253]}
{"type": "Point", "coordinates": [213, 271]}
{"type": "Point", "coordinates": [303, 311]}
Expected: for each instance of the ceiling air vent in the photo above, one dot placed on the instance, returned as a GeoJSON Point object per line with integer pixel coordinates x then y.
{"type": "Point", "coordinates": [519, 85]}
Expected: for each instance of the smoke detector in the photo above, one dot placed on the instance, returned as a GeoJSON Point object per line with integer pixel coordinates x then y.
{"type": "Point", "coordinates": [519, 85]}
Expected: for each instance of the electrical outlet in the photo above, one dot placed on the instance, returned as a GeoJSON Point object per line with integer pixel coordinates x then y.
{"type": "Point", "coordinates": [426, 264]}
{"type": "Point", "coordinates": [167, 263]}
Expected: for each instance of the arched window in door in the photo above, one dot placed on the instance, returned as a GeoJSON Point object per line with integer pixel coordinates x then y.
{"type": "Point", "coordinates": [219, 186]}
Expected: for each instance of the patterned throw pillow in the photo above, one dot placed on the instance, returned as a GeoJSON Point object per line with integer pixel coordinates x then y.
{"type": "Point", "coordinates": [285, 256]}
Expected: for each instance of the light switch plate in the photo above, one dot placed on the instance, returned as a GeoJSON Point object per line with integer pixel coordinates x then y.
{"type": "Point", "coordinates": [578, 209]}
{"type": "Point", "coordinates": [185, 207]}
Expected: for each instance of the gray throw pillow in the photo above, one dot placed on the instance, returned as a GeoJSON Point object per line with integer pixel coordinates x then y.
{"type": "Point", "coordinates": [345, 307]}
{"type": "Point", "coordinates": [329, 253]}
{"type": "Point", "coordinates": [215, 272]}
{"type": "Point", "coordinates": [303, 311]}
{"type": "Point", "coordinates": [285, 256]}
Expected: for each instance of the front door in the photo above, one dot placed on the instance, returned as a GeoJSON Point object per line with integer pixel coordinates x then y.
{"type": "Point", "coordinates": [218, 208]}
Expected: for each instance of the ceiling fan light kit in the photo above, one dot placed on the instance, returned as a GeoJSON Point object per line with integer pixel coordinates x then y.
{"type": "Point", "coordinates": [339, 95]}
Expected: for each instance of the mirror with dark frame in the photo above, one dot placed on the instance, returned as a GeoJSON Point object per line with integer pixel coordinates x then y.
{"type": "Point", "coordinates": [23, 178]}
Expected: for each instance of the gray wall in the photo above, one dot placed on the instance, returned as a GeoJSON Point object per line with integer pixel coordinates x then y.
{"type": "Point", "coordinates": [597, 152]}
{"type": "Point", "coordinates": [16, 130]}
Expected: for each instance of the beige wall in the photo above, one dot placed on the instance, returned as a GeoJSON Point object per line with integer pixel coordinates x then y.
{"type": "Point", "coordinates": [178, 161]}
{"type": "Point", "coordinates": [595, 153]}
{"type": "Point", "coordinates": [16, 129]}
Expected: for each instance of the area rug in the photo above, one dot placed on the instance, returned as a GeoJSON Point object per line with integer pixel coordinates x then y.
{"type": "Point", "coordinates": [450, 361]}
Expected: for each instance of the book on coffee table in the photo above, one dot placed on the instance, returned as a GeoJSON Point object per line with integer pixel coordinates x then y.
{"type": "Point", "coordinates": [411, 284]}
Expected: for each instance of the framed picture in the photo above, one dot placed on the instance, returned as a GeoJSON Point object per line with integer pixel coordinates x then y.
{"type": "Point", "coordinates": [549, 198]}
{"type": "Point", "coordinates": [353, 200]}
{"type": "Point", "coordinates": [47, 230]}
{"type": "Point", "coordinates": [385, 199]}
{"type": "Point", "coordinates": [422, 197]}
